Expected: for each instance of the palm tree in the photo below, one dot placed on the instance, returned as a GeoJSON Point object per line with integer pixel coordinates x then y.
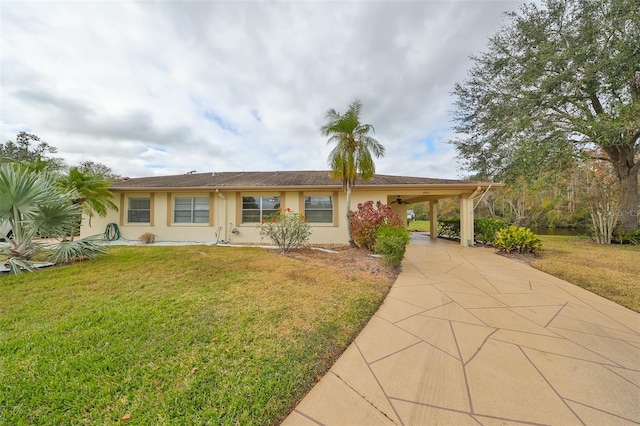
{"type": "Point", "coordinates": [351, 158]}
{"type": "Point", "coordinates": [33, 205]}
{"type": "Point", "coordinates": [91, 192]}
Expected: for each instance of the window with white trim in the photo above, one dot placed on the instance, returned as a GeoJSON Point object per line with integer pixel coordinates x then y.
{"type": "Point", "coordinates": [139, 210]}
{"type": "Point", "coordinates": [257, 208]}
{"type": "Point", "coordinates": [191, 210]}
{"type": "Point", "coordinates": [318, 208]}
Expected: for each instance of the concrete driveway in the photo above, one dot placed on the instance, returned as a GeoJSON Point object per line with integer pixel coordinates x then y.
{"type": "Point", "coordinates": [466, 336]}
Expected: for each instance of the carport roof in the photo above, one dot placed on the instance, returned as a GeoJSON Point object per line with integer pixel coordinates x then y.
{"type": "Point", "coordinates": [280, 179]}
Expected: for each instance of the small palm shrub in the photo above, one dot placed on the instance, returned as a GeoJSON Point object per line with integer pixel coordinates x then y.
{"type": "Point", "coordinates": [391, 243]}
{"type": "Point", "coordinates": [368, 218]}
{"type": "Point", "coordinates": [74, 251]}
{"type": "Point", "coordinates": [32, 204]}
{"type": "Point", "coordinates": [288, 230]}
{"type": "Point", "coordinates": [517, 239]}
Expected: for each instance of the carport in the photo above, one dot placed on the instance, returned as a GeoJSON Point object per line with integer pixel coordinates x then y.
{"type": "Point", "coordinates": [468, 193]}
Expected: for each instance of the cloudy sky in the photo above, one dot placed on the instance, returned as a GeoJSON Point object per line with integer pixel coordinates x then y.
{"type": "Point", "coordinates": [166, 87]}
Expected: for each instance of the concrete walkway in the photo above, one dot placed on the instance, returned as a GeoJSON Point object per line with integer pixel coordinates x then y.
{"type": "Point", "coordinates": [469, 337]}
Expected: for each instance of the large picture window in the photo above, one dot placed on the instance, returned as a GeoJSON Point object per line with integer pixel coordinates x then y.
{"type": "Point", "coordinates": [319, 208]}
{"type": "Point", "coordinates": [191, 210]}
{"type": "Point", "coordinates": [139, 210]}
{"type": "Point", "coordinates": [255, 209]}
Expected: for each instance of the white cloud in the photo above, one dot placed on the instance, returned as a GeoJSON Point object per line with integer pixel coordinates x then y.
{"type": "Point", "coordinates": [151, 88]}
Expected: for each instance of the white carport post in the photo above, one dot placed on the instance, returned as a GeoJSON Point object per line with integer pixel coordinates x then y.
{"type": "Point", "coordinates": [433, 225]}
{"type": "Point", "coordinates": [466, 218]}
{"type": "Point", "coordinates": [466, 221]}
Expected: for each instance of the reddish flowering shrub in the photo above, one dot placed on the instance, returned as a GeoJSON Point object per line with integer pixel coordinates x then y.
{"type": "Point", "coordinates": [368, 218]}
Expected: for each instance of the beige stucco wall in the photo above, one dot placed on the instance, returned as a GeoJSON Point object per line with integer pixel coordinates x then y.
{"type": "Point", "coordinates": [225, 216]}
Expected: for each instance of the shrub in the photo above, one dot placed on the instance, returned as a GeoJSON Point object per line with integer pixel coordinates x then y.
{"type": "Point", "coordinates": [288, 230]}
{"type": "Point", "coordinates": [486, 229]}
{"type": "Point", "coordinates": [69, 252]}
{"type": "Point", "coordinates": [629, 237]}
{"type": "Point", "coordinates": [367, 219]}
{"type": "Point", "coordinates": [147, 238]}
{"type": "Point", "coordinates": [449, 227]}
{"type": "Point", "coordinates": [518, 239]}
{"type": "Point", "coordinates": [391, 243]}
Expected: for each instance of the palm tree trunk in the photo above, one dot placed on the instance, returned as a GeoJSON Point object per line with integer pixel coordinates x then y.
{"type": "Point", "coordinates": [351, 242]}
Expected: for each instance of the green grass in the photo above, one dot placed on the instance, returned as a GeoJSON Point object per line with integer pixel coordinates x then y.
{"type": "Point", "coordinates": [612, 271]}
{"type": "Point", "coordinates": [418, 225]}
{"type": "Point", "coordinates": [174, 335]}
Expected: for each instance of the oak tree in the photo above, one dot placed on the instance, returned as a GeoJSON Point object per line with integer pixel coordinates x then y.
{"type": "Point", "coordinates": [560, 79]}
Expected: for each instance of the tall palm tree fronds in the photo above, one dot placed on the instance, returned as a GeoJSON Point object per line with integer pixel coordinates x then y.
{"type": "Point", "coordinates": [92, 192]}
{"type": "Point", "coordinates": [352, 156]}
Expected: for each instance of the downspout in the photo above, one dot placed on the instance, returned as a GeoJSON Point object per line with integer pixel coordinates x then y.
{"type": "Point", "coordinates": [224, 222]}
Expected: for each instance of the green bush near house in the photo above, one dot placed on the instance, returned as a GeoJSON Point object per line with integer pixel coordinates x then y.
{"type": "Point", "coordinates": [286, 229]}
{"type": "Point", "coordinates": [449, 227]}
{"type": "Point", "coordinates": [517, 239]}
{"type": "Point", "coordinates": [366, 221]}
{"type": "Point", "coordinates": [486, 229]}
{"type": "Point", "coordinates": [391, 243]}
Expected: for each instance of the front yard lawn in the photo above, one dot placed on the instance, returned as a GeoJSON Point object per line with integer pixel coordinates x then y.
{"type": "Point", "coordinates": [612, 271]}
{"type": "Point", "coordinates": [175, 335]}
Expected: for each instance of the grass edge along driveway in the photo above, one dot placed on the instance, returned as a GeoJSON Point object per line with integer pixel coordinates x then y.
{"type": "Point", "coordinates": [175, 335]}
{"type": "Point", "coordinates": [610, 271]}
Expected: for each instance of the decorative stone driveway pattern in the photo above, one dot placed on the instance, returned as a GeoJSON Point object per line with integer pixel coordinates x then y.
{"type": "Point", "coordinates": [466, 336]}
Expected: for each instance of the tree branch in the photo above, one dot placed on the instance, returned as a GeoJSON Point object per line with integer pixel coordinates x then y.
{"type": "Point", "coordinates": [601, 159]}
{"type": "Point", "coordinates": [595, 102]}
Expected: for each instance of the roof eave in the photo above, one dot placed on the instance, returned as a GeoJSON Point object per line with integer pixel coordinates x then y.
{"type": "Point", "coordinates": [462, 185]}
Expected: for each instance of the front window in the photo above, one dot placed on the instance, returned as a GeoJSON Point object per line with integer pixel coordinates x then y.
{"type": "Point", "coordinates": [139, 210]}
{"type": "Point", "coordinates": [255, 209]}
{"type": "Point", "coordinates": [191, 210]}
{"type": "Point", "coordinates": [319, 208]}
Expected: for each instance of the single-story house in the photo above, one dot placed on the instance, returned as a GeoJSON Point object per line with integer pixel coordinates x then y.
{"type": "Point", "coordinates": [228, 206]}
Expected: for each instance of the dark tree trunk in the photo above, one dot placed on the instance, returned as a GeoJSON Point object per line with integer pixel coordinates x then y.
{"type": "Point", "coordinates": [622, 157]}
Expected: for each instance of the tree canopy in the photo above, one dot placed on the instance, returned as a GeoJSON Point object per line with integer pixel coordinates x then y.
{"type": "Point", "coordinates": [558, 81]}
{"type": "Point", "coordinates": [97, 170]}
{"type": "Point", "coordinates": [31, 150]}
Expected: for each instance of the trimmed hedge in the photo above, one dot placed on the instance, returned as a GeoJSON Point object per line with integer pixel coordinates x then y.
{"type": "Point", "coordinates": [449, 227]}
{"type": "Point", "coordinates": [391, 243]}
{"type": "Point", "coordinates": [485, 229]}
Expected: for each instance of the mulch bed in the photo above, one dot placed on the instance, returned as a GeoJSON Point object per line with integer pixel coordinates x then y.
{"type": "Point", "coordinates": [353, 259]}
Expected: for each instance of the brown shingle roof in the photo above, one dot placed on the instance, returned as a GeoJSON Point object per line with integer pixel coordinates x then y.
{"type": "Point", "coordinates": [269, 179]}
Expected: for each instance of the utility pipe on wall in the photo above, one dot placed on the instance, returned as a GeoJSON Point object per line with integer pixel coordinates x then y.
{"type": "Point", "coordinates": [224, 222]}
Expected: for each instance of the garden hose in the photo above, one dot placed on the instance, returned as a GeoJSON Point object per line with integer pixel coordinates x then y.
{"type": "Point", "coordinates": [112, 232]}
